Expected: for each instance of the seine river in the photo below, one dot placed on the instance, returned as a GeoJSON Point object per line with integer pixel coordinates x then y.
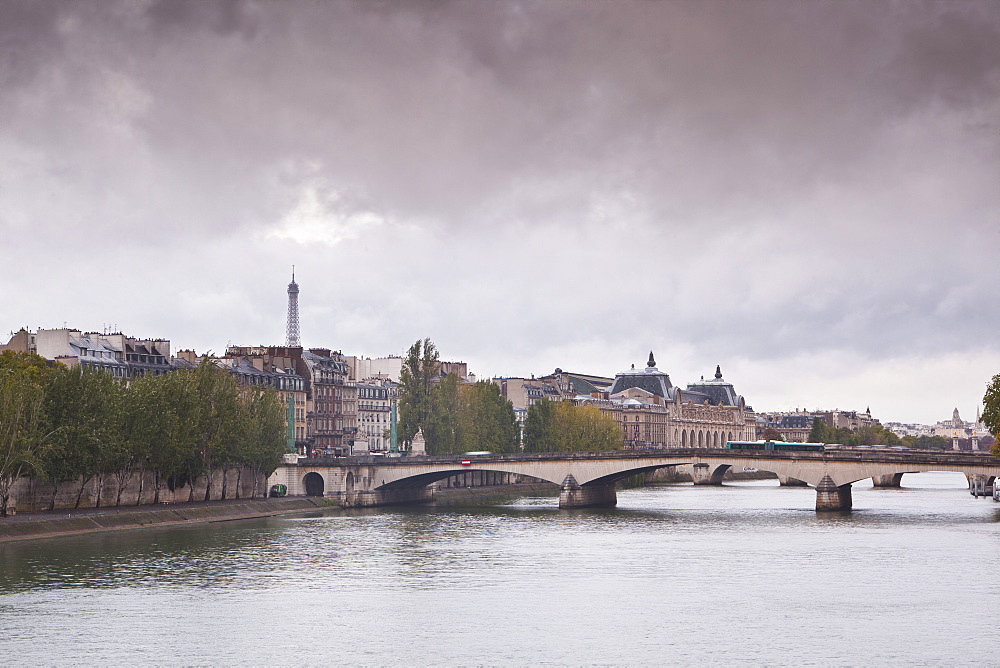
{"type": "Point", "coordinates": [743, 574]}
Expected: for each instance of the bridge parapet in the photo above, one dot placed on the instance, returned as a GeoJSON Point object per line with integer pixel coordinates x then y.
{"type": "Point", "coordinates": [839, 454]}
{"type": "Point", "coordinates": [382, 480]}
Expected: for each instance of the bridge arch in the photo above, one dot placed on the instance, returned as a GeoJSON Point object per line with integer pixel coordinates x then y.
{"type": "Point", "coordinates": [424, 479]}
{"type": "Point", "coordinates": [313, 483]}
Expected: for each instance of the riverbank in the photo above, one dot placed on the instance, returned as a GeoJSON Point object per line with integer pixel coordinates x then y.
{"type": "Point", "coordinates": [51, 524]}
{"type": "Point", "coordinates": [27, 526]}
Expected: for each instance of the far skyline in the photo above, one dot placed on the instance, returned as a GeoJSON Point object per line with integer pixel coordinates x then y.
{"type": "Point", "coordinates": [802, 406]}
{"type": "Point", "coordinates": [804, 193]}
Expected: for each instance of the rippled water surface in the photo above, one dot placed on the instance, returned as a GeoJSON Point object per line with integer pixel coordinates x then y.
{"type": "Point", "coordinates": [746, 573]}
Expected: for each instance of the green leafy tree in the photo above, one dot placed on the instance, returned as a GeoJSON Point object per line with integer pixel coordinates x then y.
{"type": "Point", "coordinates": [82, 409]}
{"type": "Point", "coordinates": [22, 424]}
{"type": "Point", "coordinates": [819, 431]}
{"type": "Point", "coordinates": [539, 427]}
{"type": "Point", "coordinates": [263, 443]}
{"type": "Point", "coordinates": [236, 441]}
{"type": "Point", "coordinates": [145, 427]}
{"type": "Point", "coordinates": [173, 437]}
{"type": "Point", "coordinates": [421, 367]}
{"type": "Point", "coordinates": [590, 429]}
{"type": "Point", "coordinates": [926, 442]}
{"type": "Point", "coordinates": [445, 420]}
{"type": "Point", "coordinates": [111, 454]}
{"type": "Point", "coordinates": [37, 369]}
{"type": "Point", "coordinates": [489, 419]}
{"type": "Point", "coordinates": [772, 434]}
{"type": "Point", "coordinates": [991, 411]}
{"type": "Point", "coordinates": [466, 417]}
{"type": "Point", "coordinates": [563, 427]}
{"type": "Point", "coordinates": [218, 421]}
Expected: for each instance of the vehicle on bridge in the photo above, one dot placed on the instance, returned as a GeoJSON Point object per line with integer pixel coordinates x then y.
{"type": "Point", "coordinates": [775, 446]}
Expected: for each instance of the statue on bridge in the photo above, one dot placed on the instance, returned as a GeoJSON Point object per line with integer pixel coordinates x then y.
{"type": "Point", "coordinates": [418, 446]}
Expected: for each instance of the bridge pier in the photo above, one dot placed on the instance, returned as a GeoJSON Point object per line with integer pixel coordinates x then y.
{"type": "Point", "coordinates": [704, 474]}
{"type": "Point", "coordinates": [888, 480]}
{"type": "Point", "coordinates": [981, 485]}
{"type": "Point", "coordinates": [575, 495]}
{"type": "Point", "coordinates": [830, 496]}
{"type": "Point", "coordinates": [789, 481]}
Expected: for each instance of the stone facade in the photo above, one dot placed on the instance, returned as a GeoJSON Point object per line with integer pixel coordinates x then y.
{"type": "Point", "coordinates": [375, 399]}
{"type": "Point", "coordinates": [280, 367]}
{"type": "Point", "coordinates": [327, 374]}
{"type": "Point", "coordinates": [652, 413]}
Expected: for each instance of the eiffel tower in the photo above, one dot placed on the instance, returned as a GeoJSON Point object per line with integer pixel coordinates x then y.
{"type": "Point", "coordinates": [292, 327]}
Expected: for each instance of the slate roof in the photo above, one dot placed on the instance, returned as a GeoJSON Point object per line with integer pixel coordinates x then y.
{"type": "Point", "coordinates": [650, 379]}
{"type": "Point", "coordinates": [796, 421]}
{"type": "Point", "coordinates": [717, 390]}
{"type": "Point", "coordinates": [580, 386]}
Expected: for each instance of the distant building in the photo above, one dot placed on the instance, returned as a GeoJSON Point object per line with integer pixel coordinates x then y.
{"type": "Point", "coordinates": [391, 367]}
{"type": "Point", "coordinates": [652, 412]}
{"type": "Point", "coordinates": [956, 427]}
{"type": "Point", "coordinates": [523, 393]}
{"type": "Point", "coordinates": [122, 356]}
{"type": "Point", "coordinates": [378, 367]}
{"type": "Point", "coordinates": [909, 429]}
{"type": "Point", "coordinates": [852, 420]}
{"type": "Point", "coordinates": [281, 367]}
{"type": "Point", "coordinates": [375, 397]}
{"type": "Point", "coordinates": [572, 384]}
{"type": "Point", "coordinates": [327, 374]}
{"type": "Point", "coordinates": [347, 420]}
{"type": "Point", "coordinates": [795, 426]}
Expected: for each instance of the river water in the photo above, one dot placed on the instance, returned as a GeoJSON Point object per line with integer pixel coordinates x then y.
{"type": "Point", "coordinates": [747, 573]}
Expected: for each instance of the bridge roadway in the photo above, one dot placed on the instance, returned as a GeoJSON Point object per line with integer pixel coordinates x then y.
{"type": "Point", "coordinates": [588, 478]}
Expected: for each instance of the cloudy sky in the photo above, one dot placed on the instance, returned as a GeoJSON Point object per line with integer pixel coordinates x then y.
{"type": "Point", "coordinates": [807, 193]}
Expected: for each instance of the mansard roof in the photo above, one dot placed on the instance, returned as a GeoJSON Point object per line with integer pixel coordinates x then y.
{"type": "Point", "coordinates": [716, 390]}
{"type": "Point", "coordinates": [650, 379]}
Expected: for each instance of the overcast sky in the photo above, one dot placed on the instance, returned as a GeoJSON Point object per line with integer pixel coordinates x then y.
{"type": "Point", "coordinates": [807, 193]}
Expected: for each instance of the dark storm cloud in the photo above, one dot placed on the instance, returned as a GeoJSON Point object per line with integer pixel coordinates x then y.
{"type": "Point", "coordinates": [438, 109]}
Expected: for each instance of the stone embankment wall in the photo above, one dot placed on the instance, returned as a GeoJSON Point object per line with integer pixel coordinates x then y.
{"type": "Point", "coordinates": [33, 495]}
{"type": "Point", "coordinates": [72, 522]}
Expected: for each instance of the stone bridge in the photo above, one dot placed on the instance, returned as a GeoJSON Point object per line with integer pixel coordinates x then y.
{"type": "Point", "coordinates": [588, 478]}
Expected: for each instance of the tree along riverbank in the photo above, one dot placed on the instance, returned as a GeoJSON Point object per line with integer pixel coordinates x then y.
{"type": "Point", "coordinates": [50, 524]}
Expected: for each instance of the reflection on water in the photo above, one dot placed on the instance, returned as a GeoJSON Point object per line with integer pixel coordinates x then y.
{"type": "Point", "coordinates": [746, 573]}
